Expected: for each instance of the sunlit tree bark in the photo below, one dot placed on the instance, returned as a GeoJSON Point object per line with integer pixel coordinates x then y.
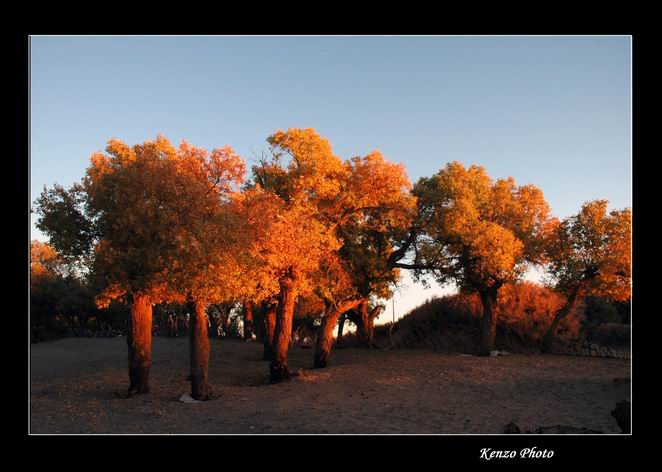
{"type": "Point", "coordinates": [248, 320]}
{"type": "Point", "coordinates": [325, 333]}
{"type": "Point", "coordinates": [199, 348]}
{"type": "Point", "coordinates": [365, 322]}
{"type": "Point", "coordinates": [139, 341]}
{"type": "Point", "coordinates": [278, 369]}
{"type": "Point", "coordinates": [269, 328]}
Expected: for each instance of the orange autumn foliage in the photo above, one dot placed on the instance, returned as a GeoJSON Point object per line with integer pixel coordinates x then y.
{"type": "Point", "coordinates": [482, 233]}
{"type": "Point", "coordinates": [449, 322]}
{"type": "Point", "coordinates": [44, 261]}
{"type": "Point", "coordinates": [172, 223]}
{"type": "Point", "coordinates": [591, 252]}
{"type": "Point", "coordinates": [323, 200]}
{"type": "Point", "coordinates": [159, 210]}
{"type": "Point", "coordinates": [527, 308]}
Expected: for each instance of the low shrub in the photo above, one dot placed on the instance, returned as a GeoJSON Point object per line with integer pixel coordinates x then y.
{"type": "Point", "coordinates": [451, 323]}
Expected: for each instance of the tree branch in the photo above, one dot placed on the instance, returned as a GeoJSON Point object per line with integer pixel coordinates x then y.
{"type": "Point", "coordinates": [375, 312]}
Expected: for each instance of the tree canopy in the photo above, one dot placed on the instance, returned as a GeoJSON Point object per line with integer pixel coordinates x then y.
{"type": "Point", "coordinates": [592, 251]}
{"type": "Point", "coordinates": [154, 222]}
{"type": "Point", "coordinates": [478, 232]}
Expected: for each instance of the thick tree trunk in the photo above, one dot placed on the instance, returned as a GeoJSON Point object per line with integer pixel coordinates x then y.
{"type": "Point", "coordinates": [548, 339]}
{"type": "Point", "coordinates": [199, 351]}
{"type": "Point", "coordinates": [269, 328]}
{"type": "Point", "coordinates": [365, 323]}
{"type": "Point", "coordinates": [139, 340]}
{"type": "Point", "coordinates": [278, 370]}
{"type": "Point", "coordinates": [361, 321]}
{"type": "Point", "coordinates": [325, 339]}
{"type": "Point", "coordinates": [325, 333]}
{"type": "Point", "coordinates": [488, 322]}
{"type": "Point", "coordinates": [248, 320]}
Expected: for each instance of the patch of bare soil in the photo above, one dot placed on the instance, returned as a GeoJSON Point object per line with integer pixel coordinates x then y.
{"type": "Point", "coordinates": [78, 386]}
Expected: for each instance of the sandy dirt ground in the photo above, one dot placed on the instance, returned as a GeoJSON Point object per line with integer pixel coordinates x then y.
{"type": "Point", "coordinates": [78, 385]}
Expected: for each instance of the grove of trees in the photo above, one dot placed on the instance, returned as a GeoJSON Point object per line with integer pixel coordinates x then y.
{"type": "Point", "coordinates": [306, 232]}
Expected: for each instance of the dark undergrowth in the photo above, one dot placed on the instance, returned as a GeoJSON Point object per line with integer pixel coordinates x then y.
{"type": "Point", "coordinates": [451, 324]}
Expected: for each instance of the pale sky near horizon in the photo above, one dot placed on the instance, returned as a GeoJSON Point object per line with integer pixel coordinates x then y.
{"type": "Point", "coordinates": [552, 111]}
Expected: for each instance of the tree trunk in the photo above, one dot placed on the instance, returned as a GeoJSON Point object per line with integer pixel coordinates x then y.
{"type": "Point", "coordinates": [139, 340]}
{"type": "Point", "coordinates": [259, 325]}
{"type": "Point", "coordinates": [341, 326]}
{"type": "Point", "coordinates": [325, 339]}
{"type": "Point", "coordinates": [248, 320]}
{"type": "Point", "coordinates": [199, 351]}
{"type": "Point", "coordinates": [365, 323]}
{"type": "Point", "coordinates": [213, 322]}
{"type": "Point", "coordinates": [278, 370]}
{"type": "Point", "coordinates": [488, 322]}
{"type": "Point", "coordinates": [361, 321]}
{"type": "Point", "coordinates": [374, 313]}
{"type": "Point", "coordinates": [225, 322]}
{"type": "Point", "coordinates": [269, 327]}
{"type": "Point", "coordinates": [325, 333]}
{"type": "Point", "coordinates": [548, 338]}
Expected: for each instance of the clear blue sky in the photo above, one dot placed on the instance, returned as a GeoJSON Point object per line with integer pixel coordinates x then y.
{"type": "Point", "coordinates": [552, 111]}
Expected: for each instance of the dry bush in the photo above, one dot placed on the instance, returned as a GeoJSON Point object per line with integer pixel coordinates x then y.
{"type": "Point", "coordinates": [351, 340]}
{"type": "Point", "coordinates": [450, 323]}
{"type": "Point", "coordinates": [612, 335]}
{"type": "Point", "coordinates": [526, 310]}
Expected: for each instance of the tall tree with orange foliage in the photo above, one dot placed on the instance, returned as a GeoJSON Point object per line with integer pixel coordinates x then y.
{"type": "Point", "coordinates": [375, 204]}
{"type": "Point", "coordinates": [302, 179]}
{"type": "Point", "coordinates": [380, 209]}
{"type": "Point", "coordinates": [256, 211]}
{"type": "Point", "coordinates": [589, 253]}
{"type": "Point", "coordinates": [365, 192]}
{"type": "Point", "coordinates": [196, 197]}
{"type": "Point", "coordinates": [478, 233]}
{"type": "Point", "coordinates": [146, 217]}
{"type": "Point", "coordinates": [291, 250]}
{"type": "Point", "coordinates": [113, 218]}
{"type": "Point", "coordinates": [125, 196]}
